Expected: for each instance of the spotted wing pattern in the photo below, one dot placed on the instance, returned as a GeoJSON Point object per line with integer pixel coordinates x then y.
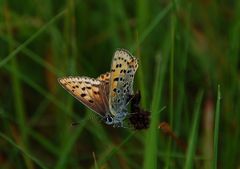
{"type": "Point", "coordinates": [104, 77]}
{"type": "Point", "coordinates": [88, 91]}
{"type": "Point", "coordinates": [123, 68]}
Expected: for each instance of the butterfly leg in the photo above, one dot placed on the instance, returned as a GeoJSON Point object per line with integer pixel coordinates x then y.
{"type": "Point", "coordinates": [118, 124]}
{"type": "Point", "coordinates": [119, 118]}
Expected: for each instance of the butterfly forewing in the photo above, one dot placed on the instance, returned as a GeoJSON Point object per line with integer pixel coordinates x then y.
{"type": "Point", "coordinates": [129, 77]}
{"type": "Point", "coordinates": [104, 88]}
{"type": "Point", "coordinates": [88, 91]}
{"type": "Point", "coordinates": [123, 68]}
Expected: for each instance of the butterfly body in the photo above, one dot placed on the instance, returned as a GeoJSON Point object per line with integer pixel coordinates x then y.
{"type": "Point", "coordinates": [107, 95]}
{"type": "Point", "coordinates": [117, 120]}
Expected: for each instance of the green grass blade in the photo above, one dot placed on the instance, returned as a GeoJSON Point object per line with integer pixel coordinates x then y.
{"type": "Point", "coordinates": [216, 128]}
{"type": "Point", "coordinates": [36, 58]}
{"type": "Point", "coordinates": [34, 159]}
{"type": "Point", "coordinates": [193, 136]}
{"type": "Point", "coordinates": [95, 161]}
{"type": "Point", "coordinates": [41, 91]}
{"type": "Point", "coordinates": [44, 142]}
{"type": "Point", "coordinates": [20, 111]}
{"type": "Point", "coordinates": [34, 36]}
{"type": "Point", "coordinates": [68, 146]}
{"type": "Point", "coordinates": [152, 25]}
{"type": "Point", "coordinates": [171, 85]}
{"type": "Point", "coordinates": [150, 156]}
{"type": "Point", "coordinates": [114, 149]}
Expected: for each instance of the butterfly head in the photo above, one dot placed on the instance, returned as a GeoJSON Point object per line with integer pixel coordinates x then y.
{"type": "Point", "coordinates": [117, 120]}
{"type": "Point", "coordinates": [108, 120]}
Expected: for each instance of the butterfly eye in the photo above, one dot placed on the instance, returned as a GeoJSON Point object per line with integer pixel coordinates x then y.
{"type": "Point", "coordinates": [109, 120]}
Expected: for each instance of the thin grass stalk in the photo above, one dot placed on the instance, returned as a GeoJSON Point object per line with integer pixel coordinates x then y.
{"type": "Point", "coordinates": [216, 129]}
{"type": "Point", "coordinates": [171, 85]}
{"type": "Point", "coordinates": [194, 133]}
{"type": "Point", "coordinates": [150, 155]}
{"type": "Point", "coordinates": [23, 151]}
{"type": "Point", "coordinates": [22, 137]}
{"type": "Point", "coordinates": [33, 37]}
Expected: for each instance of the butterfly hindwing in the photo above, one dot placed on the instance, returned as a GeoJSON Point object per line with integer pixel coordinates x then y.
{"type": "Point", "coordinates": [86, 90]}
{"type": "Point", "coordinates": [104, 77]}
{"type": "Point", "coordinates": [123, 68]}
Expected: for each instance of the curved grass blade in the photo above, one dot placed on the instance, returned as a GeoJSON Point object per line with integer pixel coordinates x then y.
{"type": "Point", "coordinates": [193, 137]}
{"type": "Point", "coordinates": [30, 156]}
{"type": "Point", "coordinates": [216, 128]}
{"type": "Point", "coordinates": [34, 36]}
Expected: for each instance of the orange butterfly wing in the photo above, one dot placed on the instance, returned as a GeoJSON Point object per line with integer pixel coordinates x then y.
{"type": "Point", "coordinates": [88, 91]}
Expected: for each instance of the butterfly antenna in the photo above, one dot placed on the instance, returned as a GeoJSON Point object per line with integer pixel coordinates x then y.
{"type": "Point", "coordinates": [137, 95]}
{"type": "Point", "coordinates": [128, 126]}
{"type": "Point", "coordinates": [163, 108]}
{"type": "Point", "coordinates": [75, 123]}
{"type": "Point", "coordinates": [125, 127]}
{"type": "Point", "coordinates": [96, 117]}
{"type": "Point", "coordinates": [90, 117]}
{"type": "Point", "coordinates": [131, 114]}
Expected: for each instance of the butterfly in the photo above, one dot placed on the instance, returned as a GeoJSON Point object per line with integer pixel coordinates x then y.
{"type": "Point", "coordinates": [139, 118]}
{"type": "Point", "coordinates": [109, 94]}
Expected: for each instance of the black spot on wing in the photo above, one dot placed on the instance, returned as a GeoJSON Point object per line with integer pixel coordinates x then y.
{"type": "Point", "coordinates": [123, 71]}
{"type": "Point", "coordinates": [118, 65]}
{"type": "Point", "coordinates": [129, 71]}
{"type": "Point", "coordinates": [97, 93]}
{"type": "Point", "coordinates": [83, 95]}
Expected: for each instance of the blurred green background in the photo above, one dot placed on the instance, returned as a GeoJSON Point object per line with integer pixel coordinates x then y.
{"type": "Point", "coordinates": [189, 64]}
